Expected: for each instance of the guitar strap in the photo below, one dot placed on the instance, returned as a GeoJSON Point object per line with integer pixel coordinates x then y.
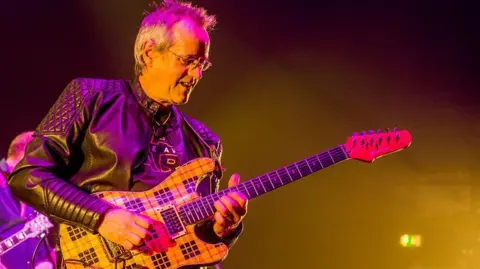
{"type": "Point", "coordinates": [198, 141]}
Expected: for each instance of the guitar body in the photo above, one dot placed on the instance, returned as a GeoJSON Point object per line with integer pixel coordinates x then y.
{"type": "Point", "coordinates": [173, 244]}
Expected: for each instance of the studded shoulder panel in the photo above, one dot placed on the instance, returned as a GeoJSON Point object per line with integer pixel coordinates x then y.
{"type": "Point", "coordinates": [66, 108]}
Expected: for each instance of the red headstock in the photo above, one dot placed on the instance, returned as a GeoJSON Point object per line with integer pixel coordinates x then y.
{"type": "Point", "coordinates": [368, 147]}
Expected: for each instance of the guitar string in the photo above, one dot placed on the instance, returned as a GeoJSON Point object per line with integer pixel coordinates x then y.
{"type": "Point", "coordinates": [283, 173]}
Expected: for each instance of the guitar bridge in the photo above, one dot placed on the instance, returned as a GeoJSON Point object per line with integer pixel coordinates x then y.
{"type": "Point", "coordinates": [114, 251]}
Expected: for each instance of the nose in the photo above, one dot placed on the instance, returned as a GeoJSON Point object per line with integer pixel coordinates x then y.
{"type": "Point", "coordinates": [196, 72]}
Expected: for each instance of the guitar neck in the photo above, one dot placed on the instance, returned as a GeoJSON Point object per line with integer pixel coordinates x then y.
{"type": "Point", "coordinates": [203, 208]}
{"type": "Point", "coordinates": [13, 240]}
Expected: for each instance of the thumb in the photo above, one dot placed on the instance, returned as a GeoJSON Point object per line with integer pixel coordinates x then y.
{"type": "Point", "coordinates": [234, 180]}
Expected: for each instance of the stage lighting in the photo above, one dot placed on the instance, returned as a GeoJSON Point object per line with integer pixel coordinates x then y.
{"type": "Point", "coordinates": [411, 240]}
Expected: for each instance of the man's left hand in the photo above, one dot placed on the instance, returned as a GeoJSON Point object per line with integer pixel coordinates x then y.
{"type": "Point", "coordinates": [231, 208]}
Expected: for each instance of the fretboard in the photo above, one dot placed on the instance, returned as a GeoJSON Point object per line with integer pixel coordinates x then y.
{"type": "Point", "coordinates": [203, 208]}
{"type": "Point", "coordinates": [13, 240]}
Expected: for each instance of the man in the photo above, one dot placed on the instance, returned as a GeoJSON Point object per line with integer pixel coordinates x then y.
{"type": "Point", "coordinates": [14, 215]}
{"type": "Point", "coordinates": [129, 136]}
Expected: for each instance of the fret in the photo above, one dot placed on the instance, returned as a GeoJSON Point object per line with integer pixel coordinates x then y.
{"type": "Point", "coordinates": [267, 184]}
{"type": "Point", "coordinates": [326, 160]}
{"type": "Point", "coordinates": [259, 186]}
{"type": "Point", "coordinates": [284, 176]}
{"type": "Point", "coordinates": [308, 165]}
{"type": "Point", "coordinates": [314, 163]}
{"type": "Point", "coordinates": [251, 183]}
{"type": "Point", "coordinates": [339, 155]}
{"type": "Point", "coordinates": [262, 182]}
{"type": "Point", "coordinates": [274, 178]}
{"type": "Point", "coordinates": [198, 210]}
{"type": "Point", "coordinates": [184, 215]}
{"type": "Point", "coordinates": [293, 172]}
{"type": "Point", "coordinates": [15, 240]}
{"type": "Point", "coordinates": [210, 203]}
{"type": "Point", "coordinates": [330, 155]}
{"type": "Point", "coordinates": [304, 168]}
{"type": "Point", "coordinates": [185, 212]}
{"type": "Point", "coordinates": [243, 189]}
{"type": "Point", "coordinates": [22, 235]}
{"type": "Point", "coordinates": [190, 213]}
{"type": "Point", "coordinates": [280, 179]}
{"type": "Point", "coordinates": [218, 194]}
{"type": "Point", "coordinates": [344, 152]}
{"type": "Point", "coordinates": [193, 209]}
{"type": "Point", "coordinates": [298, 169]}
{"type": "Point", "coordinates": [202, 208]}
{"type": "Point", "coordinates": [319, 161]}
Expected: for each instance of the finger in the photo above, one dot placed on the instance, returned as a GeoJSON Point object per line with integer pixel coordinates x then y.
{"type": "Point", "coordinates": [224, 212]}
{"type": "Point", "coordinates": [127, 244]}
{"type": "Point", "coordinates": [220, 207]}
{"type": "Point", "coordinates": [219, 225]}
{"type": "Point", "coordinates": [134, 239]}
{"type": "Point", "coordinates": [139, 231]}
{"type": "Point", "coordinates": [241, 200]}
{"type": "Point", "coordinates": [234, 180]}
{"type": "Point", "coordinates": [233, 208]}
{"type": "Point", "coordinates": [219, 219]}
{"type": "Point", "coordinates": [143, 221]}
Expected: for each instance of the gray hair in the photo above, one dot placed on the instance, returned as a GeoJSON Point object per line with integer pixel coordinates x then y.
{"type": "Point", "coordinates": [157, 26]}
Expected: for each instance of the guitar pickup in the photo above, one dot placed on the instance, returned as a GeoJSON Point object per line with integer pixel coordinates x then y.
{"type": "Point", "coordinates": [172, 221]}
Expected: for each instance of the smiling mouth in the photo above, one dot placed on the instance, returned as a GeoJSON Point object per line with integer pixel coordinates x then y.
{"type": "Point", "coordinates": [188, 86]}
{"type": "Point", "coordinates": [185, 84]}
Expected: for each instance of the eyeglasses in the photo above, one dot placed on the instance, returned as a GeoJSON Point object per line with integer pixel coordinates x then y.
{"type": "Point", "coordinates": [193, 62]}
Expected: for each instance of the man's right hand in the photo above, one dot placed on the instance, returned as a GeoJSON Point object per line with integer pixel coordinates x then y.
{"type": "Point", "coordinates": [125, 228]}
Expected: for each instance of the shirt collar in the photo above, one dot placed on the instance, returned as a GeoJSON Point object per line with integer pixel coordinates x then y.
{"type": "Point", "coordinates": [153, 107]}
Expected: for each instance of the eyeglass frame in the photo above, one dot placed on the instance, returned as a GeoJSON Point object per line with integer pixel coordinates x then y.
{"type": "Point", "coordinates": [197, 61]}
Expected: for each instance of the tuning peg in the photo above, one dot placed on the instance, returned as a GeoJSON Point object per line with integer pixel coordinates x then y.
{"type": "Point", "coordinates": [395, 129]}
{"type": "Point", "coordinates": [379, 131]}
{"type": "Point", "coordinates": [355, 134]}
{"type": "Point", "coordinates": [388, 130]}
{"type": "Point", "coordinates": [371, 132]}
{"type": "Point", "coordinates": [364, 133]}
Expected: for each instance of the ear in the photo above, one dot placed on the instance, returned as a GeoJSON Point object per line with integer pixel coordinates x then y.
{"type": "Point", "coordinates": [148, 52]}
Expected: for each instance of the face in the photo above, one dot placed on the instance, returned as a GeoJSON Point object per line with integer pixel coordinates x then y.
{"type": "Point", "coordinates": [171, 74]}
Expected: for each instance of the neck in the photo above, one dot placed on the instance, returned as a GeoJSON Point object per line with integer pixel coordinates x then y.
{"type": "Point", "coordinates": [147, 86]}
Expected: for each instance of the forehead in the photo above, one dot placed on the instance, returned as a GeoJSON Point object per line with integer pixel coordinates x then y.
{"type": "Point", "coordinates": [189, 38]}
